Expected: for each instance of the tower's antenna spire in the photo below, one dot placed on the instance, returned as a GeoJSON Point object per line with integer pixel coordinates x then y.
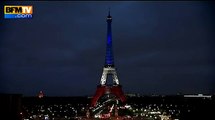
{"type": "Point", "coordinates": [109, 12]}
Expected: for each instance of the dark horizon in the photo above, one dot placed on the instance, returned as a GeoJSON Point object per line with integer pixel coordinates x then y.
{"type": "Point", "coordinates": [161, 48]}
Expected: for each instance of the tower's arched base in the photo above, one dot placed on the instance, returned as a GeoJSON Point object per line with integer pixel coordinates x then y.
{"type": "Point", "coordinates": [104, 89]}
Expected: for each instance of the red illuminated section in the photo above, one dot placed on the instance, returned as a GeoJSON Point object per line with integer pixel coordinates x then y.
{"type": "Point", "coordinates": [115, 90]}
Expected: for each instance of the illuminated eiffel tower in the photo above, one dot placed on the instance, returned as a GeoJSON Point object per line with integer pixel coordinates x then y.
{"type": "Point", "coordinates": [109, 70]}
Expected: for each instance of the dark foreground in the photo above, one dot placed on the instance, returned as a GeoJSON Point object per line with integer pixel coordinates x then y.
{"type": "Point", "coordinates": [178, 107]}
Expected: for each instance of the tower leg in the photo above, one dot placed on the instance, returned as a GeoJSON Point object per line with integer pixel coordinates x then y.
{"type": "Point", "coordinates": [104, 77]}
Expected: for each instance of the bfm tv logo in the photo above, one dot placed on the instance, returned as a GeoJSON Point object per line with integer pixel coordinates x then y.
{"type": "Point", "coordinates": [18, 11]}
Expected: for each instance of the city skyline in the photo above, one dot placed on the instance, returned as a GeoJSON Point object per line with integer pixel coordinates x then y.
{"type": "Point", "coordinates": [159, 48]}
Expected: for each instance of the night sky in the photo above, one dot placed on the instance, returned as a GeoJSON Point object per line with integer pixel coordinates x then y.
{"type": "Point", "coordinates": [159, 48]}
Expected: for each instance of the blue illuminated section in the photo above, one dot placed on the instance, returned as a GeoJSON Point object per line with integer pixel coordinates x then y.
{"type": "Point", "coordinates": [109, 61]}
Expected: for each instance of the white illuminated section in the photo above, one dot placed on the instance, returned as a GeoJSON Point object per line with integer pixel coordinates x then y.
{"type": "Point", "coordinates": [199, 95]}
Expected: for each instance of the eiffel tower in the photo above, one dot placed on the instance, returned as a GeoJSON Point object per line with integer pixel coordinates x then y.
{"type": "Point", "coordinates": [109, 70]}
